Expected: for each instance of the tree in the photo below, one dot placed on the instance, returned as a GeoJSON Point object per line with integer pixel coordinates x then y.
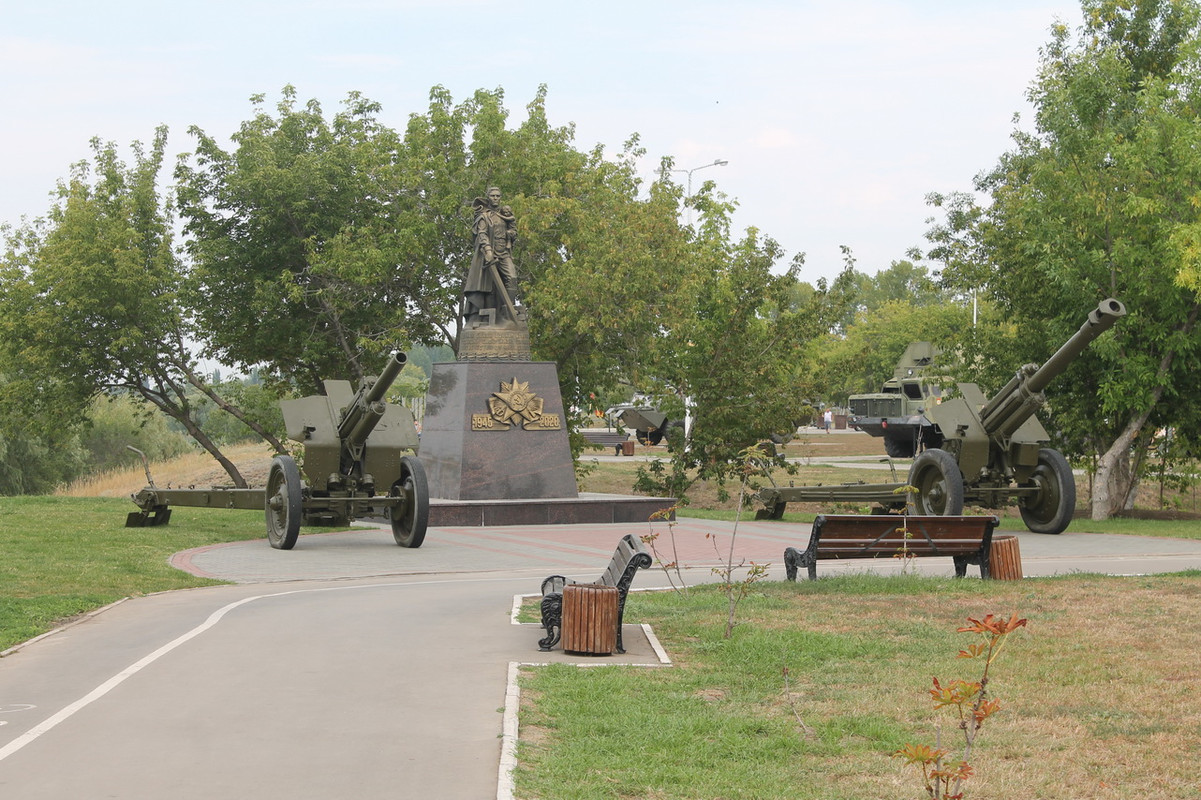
{"type": "Point", "coordinates": [1102, 200]}
{"type": "Point", "coordinates": [91, 302]}
{"type": "Point", "coordinates": [612, 276]}
{"type": "Point", "coordinates": [866, 353]}
{"type": "Point", "coordinates": [902, 281]}
{"type": "Point", "coordinates": [319, 246]}
{"type": "Point", "coordinates": [732, 360]}
{"type": "Point", "coordinates": [117, 422]}
{"type": "Point", "coordinates": [35, 461]}
{"type": "Point", "coordinates": [288, 237]}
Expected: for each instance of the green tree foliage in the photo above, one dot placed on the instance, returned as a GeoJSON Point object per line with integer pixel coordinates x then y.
{"type": "Point", "coordinates": [1101, 200]}
{"type": "Point", "coordinates": [319, 246]}
{"type": "Point", "coordinates": [615, 277]}
{"type": "Point", "coordinates": [91, 301]}
{"type": "Point", "coordinates": [865, 355]}
{"type": "Point", "coordinates": [254, 400]}
{"type": "Point", "coordinates": [315, 245]}
{"type": "Point", "coordinates": [311, 275]}
{"type": "Point", "coordinates": [903, 281]}
{"type": "Point", "coordinates": [733, 360]}
{"type": "Point", "coordinates": [32, 460]}
{"type": "Point", "coordinates": [118, 422]}
{"type": "Point", "coordinates": [288, 237]}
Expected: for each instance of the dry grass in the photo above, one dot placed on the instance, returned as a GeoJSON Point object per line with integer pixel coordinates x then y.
{"type": "Point", "coordinates": [194, 469]}
{"type": "Point", "coordinates": [1097, 695]}
{"type": "Point", "coordinates": [811, 450]}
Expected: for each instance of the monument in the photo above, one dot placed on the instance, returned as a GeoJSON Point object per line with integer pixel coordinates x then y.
{"type": "Point", "coordinates": [495, 441]}
{"type": "Point", "coordinates": [495, 427]}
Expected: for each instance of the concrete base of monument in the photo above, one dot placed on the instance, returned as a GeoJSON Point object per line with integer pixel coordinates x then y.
{"type": "Point", "coordinates": [586, 509]}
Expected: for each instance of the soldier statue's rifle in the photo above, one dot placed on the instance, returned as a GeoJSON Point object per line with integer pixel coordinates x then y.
{"type": "Point", "coordinates": [501, 290]}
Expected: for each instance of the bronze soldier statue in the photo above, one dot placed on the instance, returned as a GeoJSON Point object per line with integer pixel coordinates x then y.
{"type": "Point", "coordinates": [490, 289]}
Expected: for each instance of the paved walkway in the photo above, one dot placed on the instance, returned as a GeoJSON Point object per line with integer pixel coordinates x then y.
{"type": "Point", "coordinates": [580, 550]}
{"type": "Point", "coordinates": [349, 667]}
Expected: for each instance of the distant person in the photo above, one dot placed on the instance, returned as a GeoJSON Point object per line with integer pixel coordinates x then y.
{"type": "Point", "coordinates": [828, 419]}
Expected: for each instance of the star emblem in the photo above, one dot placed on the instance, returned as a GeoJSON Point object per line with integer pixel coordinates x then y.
{"type": "Point", "coordinates": [515, 404]}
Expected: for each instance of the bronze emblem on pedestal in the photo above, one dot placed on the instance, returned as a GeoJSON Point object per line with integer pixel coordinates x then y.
{"type": "Point", "coordinates": [516, 405]}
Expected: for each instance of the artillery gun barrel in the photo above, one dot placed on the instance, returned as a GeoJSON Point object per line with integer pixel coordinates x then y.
{"type": "Point", "coordinates": [365, 422]}
{"type": "Point", "coordinates": [384, 382]}
{"type": "Point", "coordinates": [1100, 319]}
{"type": "Point", "coordinates": [1022, 396]}
{"type": "Point", "coordinates": [367, 408]}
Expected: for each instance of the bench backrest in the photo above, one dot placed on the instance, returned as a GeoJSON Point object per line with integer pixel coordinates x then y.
{"type": "Point", "coordinates": [630, 556]}
{"type": "Point", "coordinates": [870, 535]}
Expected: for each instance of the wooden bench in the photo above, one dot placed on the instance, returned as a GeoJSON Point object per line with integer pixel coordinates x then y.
{"type": "Point", "coordinates": [630, 556]}
{"type": "Point", "coordinates": [967, 540]}
{"type": "Point", "coordinates": [606, 438]}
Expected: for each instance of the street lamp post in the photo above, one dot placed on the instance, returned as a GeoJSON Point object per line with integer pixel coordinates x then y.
{"type": "Point", "coordinates": [717, 162]}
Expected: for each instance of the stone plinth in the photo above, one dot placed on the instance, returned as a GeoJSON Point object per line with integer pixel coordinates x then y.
{"type": "Point", "coordinates": [496, 431]}
{"type": "Point", "coordinates": [587, 509]}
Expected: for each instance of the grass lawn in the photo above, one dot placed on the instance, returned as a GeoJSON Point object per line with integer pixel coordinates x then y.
{"type": "Point", "coordinates": [63, 556]}
{"type": "Point", "coordinates": [1097, 695]}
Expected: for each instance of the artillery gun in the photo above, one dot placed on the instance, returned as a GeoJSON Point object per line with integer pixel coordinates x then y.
{"type": "Point", "coordinates": [986, 451]}
{"type": "Point", "coordinates": [980, 451]}
{"type": "Point", "coordinates": [649, 424]}
{"type": "Point", "coordinates": [355, 445]}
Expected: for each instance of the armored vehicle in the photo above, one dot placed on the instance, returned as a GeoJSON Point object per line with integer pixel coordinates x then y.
{"type": "Point", "coordinates": [895, 412]}
{"type": "Point", "coordinates": [650, 425]}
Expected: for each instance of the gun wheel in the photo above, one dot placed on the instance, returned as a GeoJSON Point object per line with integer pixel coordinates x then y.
{"type": "Point", "coordinates": [283, 505]}
{"type": "Point", "coordinates": [410, 518]}
{"type": "Point", "coordinates": [1050, 508]}
{"type": "Point", "coordinates": [939, 484]}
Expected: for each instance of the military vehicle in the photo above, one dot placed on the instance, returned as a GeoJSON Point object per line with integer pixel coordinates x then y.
{"type": "Point", "coordinates": [895, 412]}
{"type": "Point", "coordinates": [980, 451]}
{"type": "Point", "coordinates": [359, 458]}
{"type": "Point", "coordinates": [649, 424]}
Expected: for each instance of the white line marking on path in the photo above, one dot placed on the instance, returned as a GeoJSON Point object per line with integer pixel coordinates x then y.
{"type": "Point", "coordinates": [100, 691]}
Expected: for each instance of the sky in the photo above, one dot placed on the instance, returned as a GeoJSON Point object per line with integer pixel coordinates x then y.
{"type": "Point", "coordinates": [836, 118]}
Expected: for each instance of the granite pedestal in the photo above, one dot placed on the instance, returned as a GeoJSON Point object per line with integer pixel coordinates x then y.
{"type": "Point", "coordinates": [496, 431]}
{"type": "Point", "coordinates": [495, 449]}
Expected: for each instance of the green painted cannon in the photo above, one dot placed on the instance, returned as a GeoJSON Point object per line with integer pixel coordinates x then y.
{"type": "Point", "coordinates": [359, 460]}
{"type": "Point", "coordinates": [981, 451]}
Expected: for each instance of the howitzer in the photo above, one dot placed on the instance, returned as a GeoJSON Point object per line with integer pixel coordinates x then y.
{"type": "Point", "coordinates": [356, 445]}
{"type": "Point", "coordinates": [987, 451]}
{"type": "Point", "coordinates": [976, 450]}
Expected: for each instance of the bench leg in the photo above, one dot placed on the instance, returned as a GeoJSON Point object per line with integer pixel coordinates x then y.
{"type": "Point", "coordinates": [792, 559]}
{"type": "Point", "coordinates": [795, 559]}
{"type": "Point", "coordinates": [621, 612]}
{"type": "Point", "coordinates": [552, 620]}
{"type": "Point", "coordinates": [982, 559]}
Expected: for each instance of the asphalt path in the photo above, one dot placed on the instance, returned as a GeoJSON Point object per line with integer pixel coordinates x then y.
{"type": "Point", "coordinates": [349, 667]}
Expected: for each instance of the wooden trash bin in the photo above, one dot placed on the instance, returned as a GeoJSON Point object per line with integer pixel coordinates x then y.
{"type": "Point", "coordinates": [627, 448]}
{"type": "Point", "coordinates": [590, 619]}
{"type": "Point", "coordinates": [1005, 559]}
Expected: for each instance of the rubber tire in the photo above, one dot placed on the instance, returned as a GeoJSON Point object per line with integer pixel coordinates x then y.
{"type": "Point", "coordinates": [1052, 508]}
{"type": "Point", "coordinates": [284, 503]}
{"type": "Point", "coordinates": [939, 482]}
{"type": "Point", "coordinates": [899, 448]}
{"type": "Point", "coordinates": [409, 525]}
